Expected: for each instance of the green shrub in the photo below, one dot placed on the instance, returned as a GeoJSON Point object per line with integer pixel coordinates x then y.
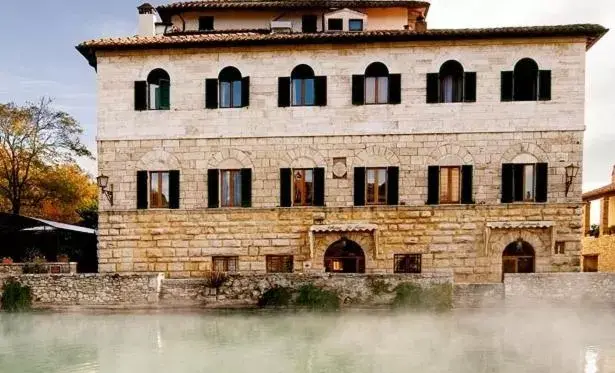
{"type": "Point", "coordinates": [215, 279]}
{"type": "Point", "coordinates": [434, 297]}
{"type": "Point", "coordinates": [16, 297]}
{"type": "Point", "coordinates": [35, 268]}
{"type": "Point", "coordinates": [378, 286]}
{"type": "Point", "coordinates": [316, 298]}
{"type": "Point", "coordinates": [276, 297]}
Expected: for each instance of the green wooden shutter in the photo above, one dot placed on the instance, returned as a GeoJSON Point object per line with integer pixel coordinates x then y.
{"type": "Point", "coordinates": [469, 87]}
{"type": "Point", "coordinates": [508, 178]}
{"type": "Point", "coordinates": [320, 90]}
{"type": "Point", "coordinates": [542, 182]}
{"type": "Point", "coordinates": [359, 186]}
{"type": "Point", "coordinates": [141, 190]}
{"type": "Point", "coordinates": [394, 89]}
{"type": "Point", "coordinates": [174, 189]}
{"type": "Point", "coordinates": [284, 92]}
{"type": "Point", "coordinates": [319, 186]}
{"type": "Point", "coordinates": [246, 187]}
{"type": "Point", "coordinates": [518, 183]}
{"type": "Point", "coordinates": [393, 186]}
{"type": "Point", "coordinates": [433, 88]}
{"type": "Point", "coordinates": [544, 85]}
{"type": "Point", "coordinates": [433, 185]}
{"type": "Point", "coordinates": [211, 93]}
{"type": "Point", "coordinates": [245, 92]}
{"type": "Point", "coordinates": [358, 90]}
{"type": "Point", "coordinates": [140, 95]}
{"type": "Point", "coordinates": [467, 197]}
{"type": "Point", "coordinates": [286, 176]}
{"type": "Point", "coordinates": [164, 95]}
{"type": "Point", "coordinates": [507, 85]}
{"type": "Point", "coordinates": [213, 188]}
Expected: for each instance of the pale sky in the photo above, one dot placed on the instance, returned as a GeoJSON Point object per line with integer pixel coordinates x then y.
{"type": "Point", "coordinates": [38, 56]}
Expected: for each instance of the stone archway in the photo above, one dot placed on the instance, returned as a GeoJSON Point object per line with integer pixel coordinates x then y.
{"type": "Point", "coordinates": [344, 256]}
{"type": "Point", "coordinates": [519, 257]}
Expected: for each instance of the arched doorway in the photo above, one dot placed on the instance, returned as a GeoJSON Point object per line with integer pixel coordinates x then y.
{"type": "Point", "coordinates": [345, 256]}
{"type": "Point", "coordinates": [518, 257]}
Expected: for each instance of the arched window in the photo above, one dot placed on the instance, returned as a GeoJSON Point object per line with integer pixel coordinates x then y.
{"type": "Point", "coordinates": [230, 87]}
{"type": "Point", "coordinates": [518, 257]}
{"type": "Point", "coordinates": [302, 86]}
{"type": "Point", "coordinates": [526, 80]}
{"type": "Point", "coordinates": [376, 84]}
{"type": "Point", "coordinates": [158, 90]}
{"type": "Point", "coordinates": [451, 82]}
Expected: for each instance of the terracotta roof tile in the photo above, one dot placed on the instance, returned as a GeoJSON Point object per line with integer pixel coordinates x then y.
{"type": "Point", "coordinates": [604, 191]}
{"type": "Point", "coordinates": [243, 38]}
{"type": "Point", "coordinates": [287, 4]}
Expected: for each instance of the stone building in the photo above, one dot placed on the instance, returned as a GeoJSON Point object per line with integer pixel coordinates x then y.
{"type": "Point", "coordinates": [599, 244]}
{"type": "Point", "coordinates": [340, 136]}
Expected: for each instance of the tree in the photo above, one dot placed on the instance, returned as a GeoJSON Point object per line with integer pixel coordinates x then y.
{"type": "Point", "coordinates": [34, 138]}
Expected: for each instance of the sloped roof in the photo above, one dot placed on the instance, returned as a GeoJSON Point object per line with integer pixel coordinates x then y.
{"type": "Point", "coordinates": [592, 32]}
{"type": "Point", "coordinates": [604, 191]}
{"type": "Point", "coordinates": [14, 223]}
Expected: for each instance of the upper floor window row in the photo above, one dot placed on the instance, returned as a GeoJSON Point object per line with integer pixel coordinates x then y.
{"type": "Point", "coordinates": [376, 86]}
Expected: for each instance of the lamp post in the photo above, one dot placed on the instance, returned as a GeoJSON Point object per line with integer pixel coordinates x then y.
{"type": "Point", "coordinates": [103, 181]}
{"type": "Point", "coordinates": [571, 173]}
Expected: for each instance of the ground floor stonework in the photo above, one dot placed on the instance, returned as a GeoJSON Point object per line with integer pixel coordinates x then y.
{"type": "Point", "coordinates": [477, 243]}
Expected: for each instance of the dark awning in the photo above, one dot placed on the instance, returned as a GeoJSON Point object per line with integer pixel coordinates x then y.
{"type": "Point", "coordinates": [10, 223]}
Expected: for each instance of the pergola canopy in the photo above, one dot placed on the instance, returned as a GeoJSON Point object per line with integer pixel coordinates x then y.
{"type": "Point", "coordinates": [10, 223]}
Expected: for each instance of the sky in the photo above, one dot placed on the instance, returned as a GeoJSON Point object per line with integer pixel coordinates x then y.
{"type": "Point", "coordinates": [38, 57]}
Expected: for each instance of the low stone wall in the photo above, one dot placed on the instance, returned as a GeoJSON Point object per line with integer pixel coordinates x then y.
{"type": "Point", "coordinates": [17, 268]}
{"type": "Point", "coordinates": [360, 290]}
{"type": "Point", "coordinates": [92, 289]}
{"type": "Point", "coordinates": [478, 295]}
{"type": "Point", "coordinates": [570, 288]}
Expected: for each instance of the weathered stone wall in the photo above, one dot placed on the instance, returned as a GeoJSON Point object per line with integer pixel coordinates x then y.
{"type": "Point", "coordinates": [604, 247]}
{"type": "Point", "coordinates": [182, 242]}
{"type": "Point", "coordinates": [570, 288]}
{"type": "Point", "coordinates": [370, 290]}
{"type": "Point", "coordinates": [17, 268]}
{"type": "Point", "coordinates": [478, 295]}
{"type": "Point", "coordinates": [92, 289]}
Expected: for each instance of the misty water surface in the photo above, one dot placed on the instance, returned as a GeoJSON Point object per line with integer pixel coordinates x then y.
{"type": "Point", "coordinates": [549, 340]}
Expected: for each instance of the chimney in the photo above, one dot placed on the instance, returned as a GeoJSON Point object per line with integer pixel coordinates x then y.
{"type": "Point", "coordinates": [147, 20]}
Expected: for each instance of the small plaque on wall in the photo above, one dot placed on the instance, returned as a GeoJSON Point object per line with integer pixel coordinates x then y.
{"type": "Point", "coordinates": [340, 171]}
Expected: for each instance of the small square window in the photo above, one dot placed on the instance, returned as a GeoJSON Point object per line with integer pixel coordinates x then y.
{"type": "Point", "coordinates": [335, 24]}
{"type": "Point", "coordinates": [560, 247]}
{"type": "Point", "coordinates": [206, 23]}
{"type": "Point", "coordinates": [225, 263]}
{"type": "Point", "coordinates": [279, 263]}
{"type": "Point", "coordinates": [590, 263]}
{"type": "Point", "coordinates": [309, 23]}
{"type": "Point", "coordinates": [407, 263]}
{"type": "Point", "coordinates": [355, 25]}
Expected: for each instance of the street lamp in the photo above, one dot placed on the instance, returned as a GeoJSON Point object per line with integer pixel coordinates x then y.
{"type": "Point", "coordinates": [103, 182]}
{"type": "Point", "coordinates": [571, 173]}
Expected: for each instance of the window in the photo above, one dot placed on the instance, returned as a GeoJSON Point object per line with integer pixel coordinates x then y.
{"type": "Point", "coordinates": [376, 186]}
{"type": "Point", "coordinates": [590, 263]}
{"type": "Point", "coordinates": [230, 187]}
{"type": "Point", "coordinates": [158, 88]}
{"type": "Point", "coordinates": [526, 82]}
{"type": "Point", "coordinates": [355, 25]}
{"type": "Point", "coordinates": [309, 23]}
{"type": "Point", "coordinates": [279, 263]}
{"type": "Point", "coordinates": [230, 88]}
{"type": "Point", "coordinates": [159, 189]}
{"type": "Point", "coordinates": [376, 84]}
{"type": "Point", "coordinates": [225, 263]}
{"type": "Point", "coordinates": [450, 184]}
{"type": "Point", "coordinates": [560, 247]}
{"type": "Point", "coordinates": [451, 84]}
{"type": "Point", "coordinates": [206, 23]}
{"type": "Point", "coordinates": [302, 86]}
{"type": "Point", "coordinates": [407, 263]}
{"type": "Point", "coordinates": [524, 182]}
{"type": "Point", "coordinates": [303, 187]}
{"type": "Point", "coordinates": [335, 24]}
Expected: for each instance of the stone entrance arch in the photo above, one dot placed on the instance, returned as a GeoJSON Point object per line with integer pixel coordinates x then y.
{"type": "Point", "coordinates": [344, 256]}
{"type": "Point", "coordinates": [519, 257]}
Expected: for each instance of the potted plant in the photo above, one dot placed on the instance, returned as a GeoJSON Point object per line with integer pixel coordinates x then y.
{"type": "Point", "coordinates": [7, 260]}
{"type": "Point", "coordinates": [63, 258]}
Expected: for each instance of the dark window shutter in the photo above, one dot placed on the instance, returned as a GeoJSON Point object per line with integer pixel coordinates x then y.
{"type": "Point", "coordinates": [319, 186]}
{"type": "Point", "coordinates": [507, 85]}
{"type": "Point", "coordinates": [245, 91]}
{"type": "Point", "coordinates": [433, 185]}
{"type": "Point", "coordinates": [174, 189]}
{"type": "Point", "coordinates": [140, 95]}
{"type": "Point", "coordinates": [508, 177]}
{"type": "Point", "coordinates": [542, 182]}
{"type": "Point", "coordinates": [467, 179]}
{"type": "Point", "coordinates": [544, 84]}
{"type": "Point", "coordinates": [141, 189]}
{"type": "Point", "coordinates": [284, 92]}
{"type": "Point", "coordinates": [358, 89]}
{"type": "Point", "coordinates": [469, 87]}
{"type": "Point", "coordinates": [286, 176]}
{"type": "Point", "coordinates": [518, 182]}
{"type": "Point", "coordinates": [395, 89]}
{"type": "Point", "coordinates": [246, 187]}
{"type": "Point", "coordinates": [211, 93]}
{"type": "Point", "coordinates": [359, 186]}
{"type": "Point", "coordinates": [433, 88]}
{"type": "Point", "coordinates": [393, 186]}
{"type": "Point", "coordinates": [320, 89]}
{"type": "Point", "coordinates": [213, 185]}
{"type": "Point", "coordinates": [165, 95]}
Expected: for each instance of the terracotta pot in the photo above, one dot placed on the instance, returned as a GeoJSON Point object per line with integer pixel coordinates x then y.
{"type": "Point", "coordinates": [7, 261]}
{"type": "Point", "coordinates": [63, 258]}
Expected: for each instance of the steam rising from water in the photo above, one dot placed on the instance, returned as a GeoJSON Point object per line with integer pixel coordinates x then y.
{"type": "Point", "coordinates": [545, 340]}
